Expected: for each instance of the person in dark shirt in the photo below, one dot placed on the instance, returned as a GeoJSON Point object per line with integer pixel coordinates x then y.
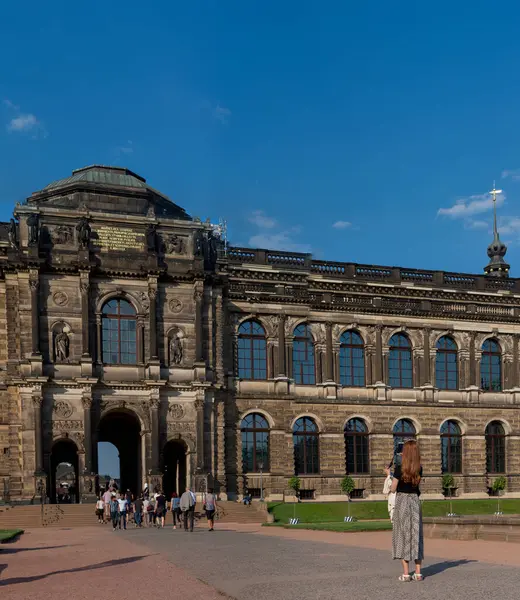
{"type": "Point", "coordinates": [407, 534]}
{"type": "Point", "coordinates": [138, 515]}
{"type": "Point", "coordinates": [160, 509]}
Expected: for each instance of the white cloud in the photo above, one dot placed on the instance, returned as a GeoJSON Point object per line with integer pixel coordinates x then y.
{"type": "Point", "coordinates": [23, 122]}
{"type": "Point", "coordinates": [278, 241]}
{"type": "Point", "coordinates": [342, 225]}
{"type": "Point", "coordinates": [472, 205]}
{"type": "Point", "coordinates": [509, 225]}
{"type": "Point", "coordinates": [222, 114]}
{"type": "Point", "coordinates": [262, 221]}
{"type": "Point", "coordinates": [513, 173]}
{"type": "Point", "coordinates": [475, 224]}
{"type": "Point", "coordinates": [128, 148]}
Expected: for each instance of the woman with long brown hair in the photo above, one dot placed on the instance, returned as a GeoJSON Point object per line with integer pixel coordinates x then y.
{"type": "Point", "coordinates": [407, 535]}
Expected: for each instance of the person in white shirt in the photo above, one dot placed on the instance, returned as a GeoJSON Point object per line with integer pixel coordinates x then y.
{"type": "Point", "coordinates": [387, 491]}
{"type": "Point", "coordinates": [100, 510]}
{"type": "Point", "coordinates": [123, 508]}
{"type": "Point", "coordinates": [187, 504]}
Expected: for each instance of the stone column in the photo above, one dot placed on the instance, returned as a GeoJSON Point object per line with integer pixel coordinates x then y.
{"type": "Point", "coordinates": [152, 295]}
{"type": "Point", "coordinates": [84, 289]}
{"type": "Point", "coordinates": [34, 285]}
{"type": "Point", "coordinates": [220, 443]}
{"type": "Point", "coordinates": [473, 375]}
{"type": "Point", "coordinates": [86, 400]}
{"type": "Point", "coordinates": [154, 403]}
{"type": "Point", "coordinates": [199, 407]}
{"type": "Point", "coordinates": [198, 296]}
{"type": "Point", "coordinates": [38, 434]}
{"type": "Point", "coordinates": [514, 381]}
{"type": "Point", "coordinates": [378, 363]}
{"type": "Point", "coordinates": [140, 340]}
{"type": "Point", "coordinates": [329, 357]}
{"type": "Point", "coordinates": [219, 335]}
{"type": "Point", "coordinates": [99, 353]}
{"type": "Point", "coordinates": [427, 376]}
{"type": "Point", "coordinates": [282, 370]}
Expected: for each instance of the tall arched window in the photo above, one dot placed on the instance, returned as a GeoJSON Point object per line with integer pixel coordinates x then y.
{"type": "Point", "coordinates": [446, 371]}
{"type": "Point", "coordinates": [255, 443]}
{"type": "Point", "coordinates": [495, 448]}
{"type": "Point", "coordinates": [356, 445]}
{"type": "Point", "coordinates": [306, 447]}
{"type": "Point", "coordinates": [400, 362]}
{"type": "Point", "coordinates": [491, 367]}
{"type": "Point", "coordinates": [119, 333]}
{"type": "Point", "coordinates": [451, 447]}
{"type": "Point", "coordinates": [304, 371]}
{"type": "Point", "coordinates": [252, 351]}
{"type": "Point", "coordinates": [404, 430]}
{"type": "Point", "coordinates": [352, 359]}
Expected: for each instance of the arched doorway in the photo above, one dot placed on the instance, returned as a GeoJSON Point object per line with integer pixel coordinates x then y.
{"type": "Point", "coordinates": [64, 472]}
{"type": "Point", "coordinates": [174, 467]}
{"type": "Point", "coordinates": [122, 429]}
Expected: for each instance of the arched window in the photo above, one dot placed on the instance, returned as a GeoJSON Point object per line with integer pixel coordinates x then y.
{"type": "Point", "coordinates": [356, 446]}
{"type": "Point", "coordinates": [303, 356]}
{"type": "Point", "coordinates": [252, 351]}
{"type": "Point", "coordinates": [400, 362]}
{"type": "Point", "coordinates": [352, 359]}
{"type": "Point", "coordinates": [451, 447]}
{"type": "Point", "coordinates": [306, 447]}
{"type": "Point", "coordinates": [404, 430]}
{"type": "Point", "coordinates": [495, 448]}
{"type": "Point", "coordinates": [119, 333]}
{"type": "Point", "coordinates": [491, 367]}
{"type": "Point", "coordinates": [446, 371]}
{"type": "Point", "coordinates": [255, 443]}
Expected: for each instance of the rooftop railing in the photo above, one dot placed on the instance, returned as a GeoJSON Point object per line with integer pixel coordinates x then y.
{"type": "Point", "coordinates": [350, 271]}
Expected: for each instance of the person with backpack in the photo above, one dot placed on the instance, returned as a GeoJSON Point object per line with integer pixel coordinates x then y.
{"type": "Point", "coordinates": [210, 506]}
{"type": "Point", "coordinates": [176, 510]}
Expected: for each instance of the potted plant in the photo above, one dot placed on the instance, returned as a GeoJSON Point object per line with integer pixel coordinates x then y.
{"type": "Point", "coordinates": [499, 485]}
{"type": "Point", "coordinates": [347, 487]}
{"type": "Point", "coordinates": [448, 485]}
{"type": "Point", "coordinates": [295, 485]}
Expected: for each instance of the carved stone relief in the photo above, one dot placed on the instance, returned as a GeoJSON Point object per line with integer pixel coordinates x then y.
{"type": "Point", "coordinates": [60, 298]}
{"type": "Point", "coordinates": [181, 427]}
{"type": "Point", "coordinates": [174, 244]}
{"type": "Point", "coordinates": [62, 235]}
{"type": "Point", "coordinates": [62, 408]}
{"type": "Point", "coordinates": [71, 425]}
{"type": "Point", "coordinates": [175, 305]}
{"type": "Point", "coordinates": [176, 411]}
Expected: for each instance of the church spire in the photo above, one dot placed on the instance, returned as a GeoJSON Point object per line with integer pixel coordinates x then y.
{"type": "Point", "coordinates": [497, 266]}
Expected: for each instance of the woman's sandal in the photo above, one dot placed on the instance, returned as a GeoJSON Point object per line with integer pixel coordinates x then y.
{"type": "Point", "coordinates": [405, 578]}
{"type": "Point", "coordinates": [417, 577]}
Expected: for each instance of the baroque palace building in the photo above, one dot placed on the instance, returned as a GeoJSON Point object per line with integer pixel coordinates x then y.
{"type": "Point", "coordinates": [125, 320]}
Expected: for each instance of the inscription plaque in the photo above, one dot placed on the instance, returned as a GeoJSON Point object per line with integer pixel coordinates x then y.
{"type": "Point", "coordinates": [118, 238]}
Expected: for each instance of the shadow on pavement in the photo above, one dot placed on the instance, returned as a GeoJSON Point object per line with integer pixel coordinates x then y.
{"type": "Point", "coordinates": [444, 566]}
{"type": "Point", "coordinates": [109, 563]}
{"type": "Point", "coordinates": [15, 550]}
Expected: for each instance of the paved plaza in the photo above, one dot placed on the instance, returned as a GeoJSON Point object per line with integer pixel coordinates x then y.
{"type": "Point", "coordinates": [245, 562]}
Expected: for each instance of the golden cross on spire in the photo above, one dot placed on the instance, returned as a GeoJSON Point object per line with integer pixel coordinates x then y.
{"type": "Point", "coordinates": [494, 193]}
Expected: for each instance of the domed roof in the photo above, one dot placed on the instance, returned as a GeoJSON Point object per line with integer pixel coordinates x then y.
{"type": "Point", "coordinates": [101, 174]}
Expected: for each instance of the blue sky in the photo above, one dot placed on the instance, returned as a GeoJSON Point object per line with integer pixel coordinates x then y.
{"type": "Point", "coordinates": [336, 127]}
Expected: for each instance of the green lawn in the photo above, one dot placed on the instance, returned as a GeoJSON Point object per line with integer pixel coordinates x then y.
{"type": "Point", "coordinates": [333, 512]}
{"type": "Point", "coordinates": [341, 527]}
{"type": "Point", "coordinates": [7, 535]}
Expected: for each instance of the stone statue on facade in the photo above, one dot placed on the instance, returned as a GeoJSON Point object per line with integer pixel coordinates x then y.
{"type": "Point", "coordinates": [11, 234]}
{"type": "Point", "coordinates": [33, 228]}
{"type": "Point", "coordinates": [173, 244]}
{"type": "Point", "coordinates": [176, 351]}
{"type": "Point", "coordinates": [84, 231]}
{"type": "Point", "coordinates": [61, 346]}
{"type": "Point", "coordinates": [151, 237]}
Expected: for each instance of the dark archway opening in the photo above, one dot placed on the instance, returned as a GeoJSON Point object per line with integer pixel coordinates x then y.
{"type": "Point", "coordinates": [174, 467]}
{"type": "Point", "coordinates": [123, 430]}
{"type": "Point", "coordinates": [64, 472]}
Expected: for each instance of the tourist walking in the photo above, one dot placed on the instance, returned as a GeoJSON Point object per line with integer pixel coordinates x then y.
{"type": "Point", "coordinates": [123, 509]}
{"type": "Point", "coordinates": [176, 510]}
{"type": "Point", "coordinates": [100, 510]}
{"type": "Point", "coordinates": [407, 534]}
{"type": "Point", "coordinates": [160, 509]}
{"type": "Point", "coordinates": [210, 506]}
{"type": "Point", "coordinates": [107, 496]}
{"type": "Point", "coordinates": [114, 511]}
{"type": "Point", "coordinates": [187, 504]}
{"type": "Point", "coordinates": [138, 514]}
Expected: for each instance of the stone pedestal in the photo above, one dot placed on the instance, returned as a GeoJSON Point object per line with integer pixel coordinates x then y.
{"type": "Point", "coordinates": [380, 391]}
{"type": "Point", "coordinates": [329, 389]}
{"type": "Point", "coordinates": [154, 369]}
{"type": "Point", "coordinates": [427, 392]}
{"type": "Point", "coordinates": [281, 386]}
{"type": "Point", "coordinates": [86, 366]}
{"type": "Point", "coordinates": [87, 489]}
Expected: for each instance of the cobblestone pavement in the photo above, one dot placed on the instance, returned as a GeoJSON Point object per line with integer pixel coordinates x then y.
{"type": "Point", "coordinates": [268, 563]}
{"type": "Point", "coordinates": [91, 563]}
{"type": "Point", "coordinates": [246, 562]}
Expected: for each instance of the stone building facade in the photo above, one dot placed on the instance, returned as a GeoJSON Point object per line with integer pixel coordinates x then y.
{"type": "Point", "coordinates": [125, 320]}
